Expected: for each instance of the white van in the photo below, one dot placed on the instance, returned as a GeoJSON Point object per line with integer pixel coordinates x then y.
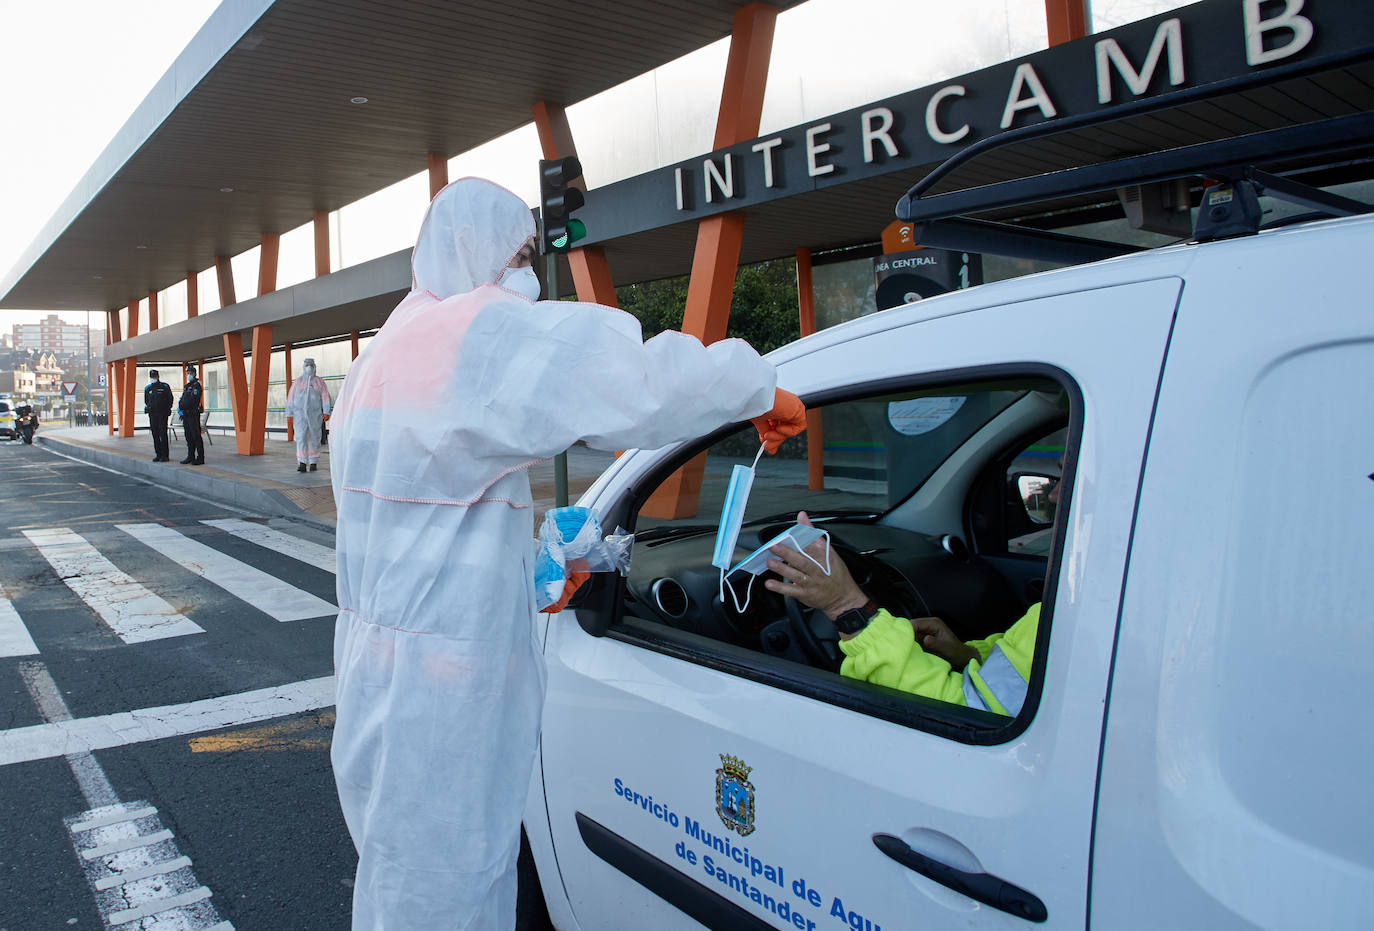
{"type": "Point", "coordinates": [1183, 756]}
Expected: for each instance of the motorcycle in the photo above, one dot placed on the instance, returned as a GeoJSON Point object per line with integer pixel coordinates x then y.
{"type": "Point", "coordinates": [26, 423]}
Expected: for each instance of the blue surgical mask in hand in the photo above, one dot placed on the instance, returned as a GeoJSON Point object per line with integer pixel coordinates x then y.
{"type": "Point", "coordinates": [797, 537]}
{"type": "Point", "coordinates": [732, 516]}
{"type": "Point", "coordinates": [732, 513]}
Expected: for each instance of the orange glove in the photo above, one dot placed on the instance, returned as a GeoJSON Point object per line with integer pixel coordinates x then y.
{"type": "Point", "coordinates": [787, 418]}
{"type": "Point", "coordinates": [326, 416]}
{"type": "Point", "coordinates": [574, 581]}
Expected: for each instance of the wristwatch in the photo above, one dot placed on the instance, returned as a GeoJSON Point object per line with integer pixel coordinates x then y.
{"type": "Point", "coordinates": [856, 619]}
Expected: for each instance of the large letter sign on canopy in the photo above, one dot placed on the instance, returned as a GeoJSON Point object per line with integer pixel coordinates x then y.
{"type": "Point", "coordinates": [1183, 49]}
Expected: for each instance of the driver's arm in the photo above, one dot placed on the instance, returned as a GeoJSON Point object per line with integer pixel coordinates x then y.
{"type": "Point", "coordinates": [886, 651]}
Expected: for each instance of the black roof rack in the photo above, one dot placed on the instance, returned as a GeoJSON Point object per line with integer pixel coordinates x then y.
{"type": "Point", "coordinates": [1225, 163]}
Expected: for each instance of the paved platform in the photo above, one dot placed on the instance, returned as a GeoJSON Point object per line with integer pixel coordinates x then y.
{"type": "Point", "coordinates": [268, 484]}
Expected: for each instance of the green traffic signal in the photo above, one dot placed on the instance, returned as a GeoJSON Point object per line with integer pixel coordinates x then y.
{"type": "Point", "coordinates": [574, 231]}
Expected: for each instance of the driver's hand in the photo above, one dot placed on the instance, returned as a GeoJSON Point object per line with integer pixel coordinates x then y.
{"type": "Point", "coordinates": [934, 636]}
{"type": "Point", "coordinates": [806, 581]}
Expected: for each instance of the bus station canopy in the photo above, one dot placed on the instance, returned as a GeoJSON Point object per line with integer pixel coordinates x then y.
{"type": "Point", "coordinates": [266, 112]}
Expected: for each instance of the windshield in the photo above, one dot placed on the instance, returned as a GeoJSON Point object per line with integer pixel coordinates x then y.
{"type": "Point", "coordinates": [875, 452]}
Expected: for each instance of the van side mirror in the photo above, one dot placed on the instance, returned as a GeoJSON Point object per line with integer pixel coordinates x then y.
{"type": "Point", "coordinates": [1034, 491]}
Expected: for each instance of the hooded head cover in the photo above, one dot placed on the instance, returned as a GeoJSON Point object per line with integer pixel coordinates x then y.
{"type": "Point", "coordinates": [472, 231]}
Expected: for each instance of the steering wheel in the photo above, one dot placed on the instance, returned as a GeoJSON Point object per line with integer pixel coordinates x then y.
{"type": "Point", "coordinates": [815, 634]}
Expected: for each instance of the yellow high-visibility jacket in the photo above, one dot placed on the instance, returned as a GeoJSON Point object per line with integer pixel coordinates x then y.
{"type": "Point", "coordinates": [886, 653]}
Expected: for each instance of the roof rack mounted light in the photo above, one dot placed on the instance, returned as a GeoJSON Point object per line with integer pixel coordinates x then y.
{"type": "Point", "coordinates": [1223, 158]}
{"type": "Point", "coordinates": [917, 205]}
{"type": "Point", "coordinates": [962, 234]}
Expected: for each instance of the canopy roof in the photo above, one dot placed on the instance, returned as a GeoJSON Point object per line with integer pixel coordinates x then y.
{"type": "Point", "coordinates": [263, 108]}
{"type": "Point", "coordinates": [260, 102]}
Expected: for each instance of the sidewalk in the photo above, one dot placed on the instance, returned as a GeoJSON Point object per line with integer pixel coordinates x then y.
{"type": "Point", "coordinates": [268, 484]}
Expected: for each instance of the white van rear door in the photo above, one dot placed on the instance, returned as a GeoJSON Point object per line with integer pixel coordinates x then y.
{"type": "Point", "coordinates": [679, 784]}
{"type": "Point", "coordinates": [1236, 764]}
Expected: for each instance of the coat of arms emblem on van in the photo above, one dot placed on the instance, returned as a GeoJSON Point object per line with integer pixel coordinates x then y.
{"type": "Point", "coordinates": [735, 795]}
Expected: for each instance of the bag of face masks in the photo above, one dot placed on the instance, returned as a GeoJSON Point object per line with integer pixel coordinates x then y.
{"type": "Point", "coordinates": [570, 541]}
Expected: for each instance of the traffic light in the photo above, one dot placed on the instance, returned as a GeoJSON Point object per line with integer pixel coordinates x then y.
{"type": "Point", "coordinates": [557, 201]}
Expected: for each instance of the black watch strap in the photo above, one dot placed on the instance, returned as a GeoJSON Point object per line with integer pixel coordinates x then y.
{"type": "Point", "coordinates": [856, 619]}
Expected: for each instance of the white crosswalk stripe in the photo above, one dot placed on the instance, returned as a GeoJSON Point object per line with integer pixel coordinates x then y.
{"type": "Point", "coordinates": [265, 592]}
{"type": "Point", "coordinates": [313, 553]}
{"type": "Point", "coordinates": [14, 636]}
{"type": "Point", "coordinates": [133, 612]}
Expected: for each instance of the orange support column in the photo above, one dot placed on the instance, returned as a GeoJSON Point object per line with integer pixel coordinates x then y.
{"type": "Point", "coordinates": [238, 384]}
{"type": "Point", "coordinates": [1065, 20]}
{"type": "Point", "coordinates": [250, 403]}
{"type": "Point", "coordinates": [716, 259]}
{"type": "Point", "coordinates": [438, 173]}
{"type": "Point", "coordinates": [192, 295]}
{"type": "Point", "coordinates": [267, 263]}
{"type": "Point", "coordinates": [127, 385]}
{"type": "Point", "coordinates": [590, 272]}
{"type": "Point", "coordinates": [321, 219]}
{"type": "Point", "coordinates": [152, 311]}
{"type": "Point", "coordinates": [353, 337]}
{"type": "Point", "coordinates": [112, 380]}
{"type": "Point", "coordinates": [806, 308]}
{"type": "Point", "coordinates": [252, 440]}
{"type": "Point", "coordinates": [224, 273]}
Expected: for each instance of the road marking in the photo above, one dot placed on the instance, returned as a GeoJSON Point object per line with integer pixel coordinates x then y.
{"type": "Point", "coordinates": [134, 874]}
{"type": "Point", "coordinates": [14, 636]}
{"type": "Point", "coordinates": [157, 906]}
{"type": "Point", "coordinates": [270, 737]}
{"type": "Point", "coordinates": [114, 817]}
{"type": "Point", "coordinates": [306, 551]}
{"type": "Point", "coordinates": [155, 869]}
{"type": "Point", "coordinates": [126, 843]}
{"type": "Point", "coordinates": [267, 593]}
{"type": "Point", "coordinates": [82, 735]}
{"type": "Point", "coordinates": [130, 610]}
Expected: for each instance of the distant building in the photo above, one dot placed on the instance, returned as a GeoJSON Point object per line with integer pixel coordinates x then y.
{"type": "Point", "coordinates": [19, 383]}
{"type": "Point", "coordinates": [53, 335]}
{"type": "Point", "coordinates": [47, 377]}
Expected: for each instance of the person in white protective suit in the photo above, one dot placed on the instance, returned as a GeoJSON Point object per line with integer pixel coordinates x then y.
{"type": "Point", "coordinates": [440, 679]}
{"type": "Point", "coordinates": [307, 404]}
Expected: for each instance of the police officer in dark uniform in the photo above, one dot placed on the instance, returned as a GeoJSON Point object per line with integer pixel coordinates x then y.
{"type": "Point", "coordinates": [189, 409]}
{"type": "Point", "coordinates": [157, 404]}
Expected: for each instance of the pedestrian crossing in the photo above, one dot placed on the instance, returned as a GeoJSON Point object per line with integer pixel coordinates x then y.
{"type": "Point", "coordinates": [133, 611]}
{"type": "Point", "coordinates": [14, 636]}
{"type": "Point", "coordinates": [127, 608]}
{"type": "Point", "coordinates": [267, 593]}
{"type": "Point", "coordinates": [321, 557]}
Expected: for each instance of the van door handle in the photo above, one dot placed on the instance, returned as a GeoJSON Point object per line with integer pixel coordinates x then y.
{"type": "Point", "coordinates": [981, 887]}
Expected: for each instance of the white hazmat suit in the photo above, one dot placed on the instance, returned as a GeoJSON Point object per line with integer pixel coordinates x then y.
{"type": "Point", "coordinates": [440, 679]}
{"type": "Point", "coordinates": [307, 402]}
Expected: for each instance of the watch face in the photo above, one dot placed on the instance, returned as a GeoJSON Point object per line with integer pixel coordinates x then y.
{"type": "Point", "coordinates": [851, 621]}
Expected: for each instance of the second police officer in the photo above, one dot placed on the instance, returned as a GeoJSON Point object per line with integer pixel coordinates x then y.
{"type": "Point", "coordinates": [188, 409]}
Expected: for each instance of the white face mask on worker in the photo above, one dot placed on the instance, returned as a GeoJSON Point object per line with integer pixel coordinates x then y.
{"type": "Point", "coordinates": [522, 281]}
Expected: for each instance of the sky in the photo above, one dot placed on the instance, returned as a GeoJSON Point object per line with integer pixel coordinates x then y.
{"type": "Point", "coordinates": [74, 71]}
{"type": "Point", "coordinates": [77, 69]}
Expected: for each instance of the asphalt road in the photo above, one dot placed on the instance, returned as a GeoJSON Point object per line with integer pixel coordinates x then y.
{"type": "Point", "coordinates": [118, 598]}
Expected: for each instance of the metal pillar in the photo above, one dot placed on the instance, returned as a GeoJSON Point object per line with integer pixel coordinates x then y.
{"type": "Point", "coordinates": [560, 461]}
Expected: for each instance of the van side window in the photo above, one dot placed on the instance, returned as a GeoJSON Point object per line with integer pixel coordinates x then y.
{"type": "Point", "coordinates": [898, 481]}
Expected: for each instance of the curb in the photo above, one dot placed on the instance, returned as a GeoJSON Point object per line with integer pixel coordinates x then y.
{"type": "Point", "coordinates": [194, 483]}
